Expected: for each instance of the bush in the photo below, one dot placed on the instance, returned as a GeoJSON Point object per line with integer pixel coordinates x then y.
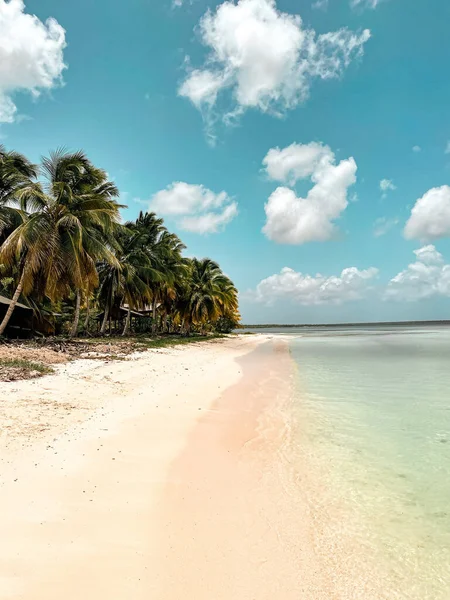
{"type": "Point", "coordinates": [225, 325]}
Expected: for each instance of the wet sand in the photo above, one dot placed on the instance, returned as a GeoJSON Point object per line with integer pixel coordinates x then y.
{"type": "Point", "coordinates": [231, 523]}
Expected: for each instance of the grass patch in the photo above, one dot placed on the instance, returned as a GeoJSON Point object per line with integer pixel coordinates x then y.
{"type": "Point", "coordinates": [14, 369]}
{"type": "Point", "coordinates": [169, 341]}
{"type": "Point", "coordinates": [143, 341]}
{"type": "Point", "coordinates": [19, 363]}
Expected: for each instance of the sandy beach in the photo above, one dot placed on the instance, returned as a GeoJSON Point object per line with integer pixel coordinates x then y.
{"type": "Point", "coordinates": [161, 477]}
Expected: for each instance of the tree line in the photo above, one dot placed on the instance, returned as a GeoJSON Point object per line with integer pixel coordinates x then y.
{"type": "Point", "coordinates": [62, 243]}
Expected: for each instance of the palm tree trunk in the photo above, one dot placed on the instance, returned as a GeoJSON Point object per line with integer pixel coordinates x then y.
{"type": "Point", "coordinates": [13, 304]}
{"type": "Point", "coordinates": [154, 323]}
{"type": "Point", "coordinates": [105, 321]}
{"type": "Point", "coordinates": [76, 318]}
{"type": "Point", "coordinates": [126, 329]}
{"type": "Point", "coordinates": [86, 321]}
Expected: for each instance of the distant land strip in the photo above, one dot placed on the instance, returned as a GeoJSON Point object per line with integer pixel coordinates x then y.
{"type": "Point", "coordinates": [340, 325]}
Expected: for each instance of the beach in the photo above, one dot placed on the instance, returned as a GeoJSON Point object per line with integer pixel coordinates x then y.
{"type": "Point", "coordinates": [154, 477]}
{"type": "Point", "coordinates": [254, 466]}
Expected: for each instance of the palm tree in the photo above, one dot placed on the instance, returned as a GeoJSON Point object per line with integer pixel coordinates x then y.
{"type": "Point", "coordinates": [17, 175]}
{"type": "Point", "coordinates": [169, 248]}
{"type": "Point", "coordinates": [83, 192]}
{"type": "Point", "coordinates": [209, 293]}
{"type": "Point", "coordinates": [60, 240]}
{"type": "Point", "coordinates": [162, 250]}
{"type": "Point", "coordinates": [63, 229]}
{"type": "Point", "coordinates": [138, 265]}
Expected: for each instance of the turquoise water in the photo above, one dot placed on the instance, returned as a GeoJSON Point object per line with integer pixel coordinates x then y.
{"type": "Point", "coordinates": [373, 420]}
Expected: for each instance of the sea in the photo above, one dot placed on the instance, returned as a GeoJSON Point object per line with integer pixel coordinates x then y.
{"type": "Point", "coordinates": [371, 426]}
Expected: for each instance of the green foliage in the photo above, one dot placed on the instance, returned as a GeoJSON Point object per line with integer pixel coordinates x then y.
{"type": "Point", "coordinates": [226, 324]}
{"type": "Point", "coordinates": [65, 254]}
{"type": "Point", "coordinates": [164, 342]}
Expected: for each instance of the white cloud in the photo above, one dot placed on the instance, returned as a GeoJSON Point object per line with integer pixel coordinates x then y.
{"type": "Point", "coordinates": [295, 161]}
{"type": "Point", "coordinates": [179, 3]}
{"type": "Point", "coordinates": [383, 225]}
{"type": "Point", "coordinates": [352, 284]}
{"type": "Point", "coordinates": [365, 3]}
{"type": "Point", "coordinates": [202, 87]}
{"type": "Point", "coordinates": [195, 207]}
{"type": "Point", "coordinates": [320, 4]}
{"type": "Point", "coordinates": [430, 216]}
{"type": "Point", "coordinates": [323, 4]}
{"type": "Point", "coordinates": [428, 276]}
{"type": "Point", "coordinates": [265, 58]}
{"type": "Point", "coordinates": [386, 184]}
{"type": "Point", "coordinates": [416, 149]}
{"type": "Point", "coordinates": [293, 220]}
{"type": "Point", "coordinates": [31, 55]}
{"type": "Point", "coordinates": [210, 222]}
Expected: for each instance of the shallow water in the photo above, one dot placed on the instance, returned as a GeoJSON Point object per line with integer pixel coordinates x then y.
{"type": "Point", "coordinates": [373, 416]}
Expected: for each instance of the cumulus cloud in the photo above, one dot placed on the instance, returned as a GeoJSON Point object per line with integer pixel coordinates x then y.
{"type": "Point", "coordinates": [294, 220]}
{"type": "Point", "coordinates": [383, 225]}
{"type": "Point", "coordinates": [428, 276]}
{"type": "Point", "coordinates": [295, 161]}
{"type": "Point", "coordinates": [430, 216]}
{"type": "Point", "coordinates": [416, 149]}
{"type": "Point", "coordinates": [31, 55]}
{"type": "Point", "coordinates": [195, 207]}
{"type": "Point", "coordinates": [264, 57]}
{"type": "Point", "coordinates": [352, 284]}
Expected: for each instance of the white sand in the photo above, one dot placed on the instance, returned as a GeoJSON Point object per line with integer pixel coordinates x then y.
{"type": "Point", "coordinates": [84, 455]}
{"type": "Point", "coordinates": [165, 478]}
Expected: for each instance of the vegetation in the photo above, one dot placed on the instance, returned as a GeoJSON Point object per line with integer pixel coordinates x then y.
{"type": "Point", "coordinates": [170, 341]}
{"type": "Point", "coordinates": [65, 254]}
{"type": "Point", "coordinates": [25, 364]}
{"type": "Point", "coordinates": [15, 369]}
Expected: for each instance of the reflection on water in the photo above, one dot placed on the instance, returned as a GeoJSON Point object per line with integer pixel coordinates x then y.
{"type": "Point", "coordinates": [377, 409]}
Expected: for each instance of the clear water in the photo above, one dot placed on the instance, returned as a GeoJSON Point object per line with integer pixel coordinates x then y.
{"type": "Point", "coordinates": [373, 414]}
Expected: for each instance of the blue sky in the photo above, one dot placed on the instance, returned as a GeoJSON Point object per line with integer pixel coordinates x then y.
{"type": "Point", "coordinates": [360, 109]}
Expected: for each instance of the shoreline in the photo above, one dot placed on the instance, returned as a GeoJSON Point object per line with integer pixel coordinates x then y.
{"type": "Point", "coordinates": [230, 522]}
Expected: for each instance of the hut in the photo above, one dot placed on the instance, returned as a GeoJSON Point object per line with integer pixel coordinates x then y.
{"type": "Point", "coordinates": [117, 318]}
{"type": "Point", "coordinates": [21, 323]}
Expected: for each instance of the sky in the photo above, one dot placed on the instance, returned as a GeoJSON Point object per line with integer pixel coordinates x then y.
{"type": "Point", "coordinates": [303, 144]}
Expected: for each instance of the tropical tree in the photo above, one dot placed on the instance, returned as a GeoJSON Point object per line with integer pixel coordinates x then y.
{"type": "Point", "coordinates": [209, 294]}
{"type": "Point", "coordinates": [172, 268]}
{"type": "Point", "coordinates": [127, 282]}
{"type": "Point", "coordinates": [62, 248]}
{"type": "Point", "coordinates": [64, 225]}
{"type": "Point", "coordinates": [17, 175]}
{"type": "Point", "coordinates": [141, 250]}
{"type": "Point", "coordinates": [86, 202]}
